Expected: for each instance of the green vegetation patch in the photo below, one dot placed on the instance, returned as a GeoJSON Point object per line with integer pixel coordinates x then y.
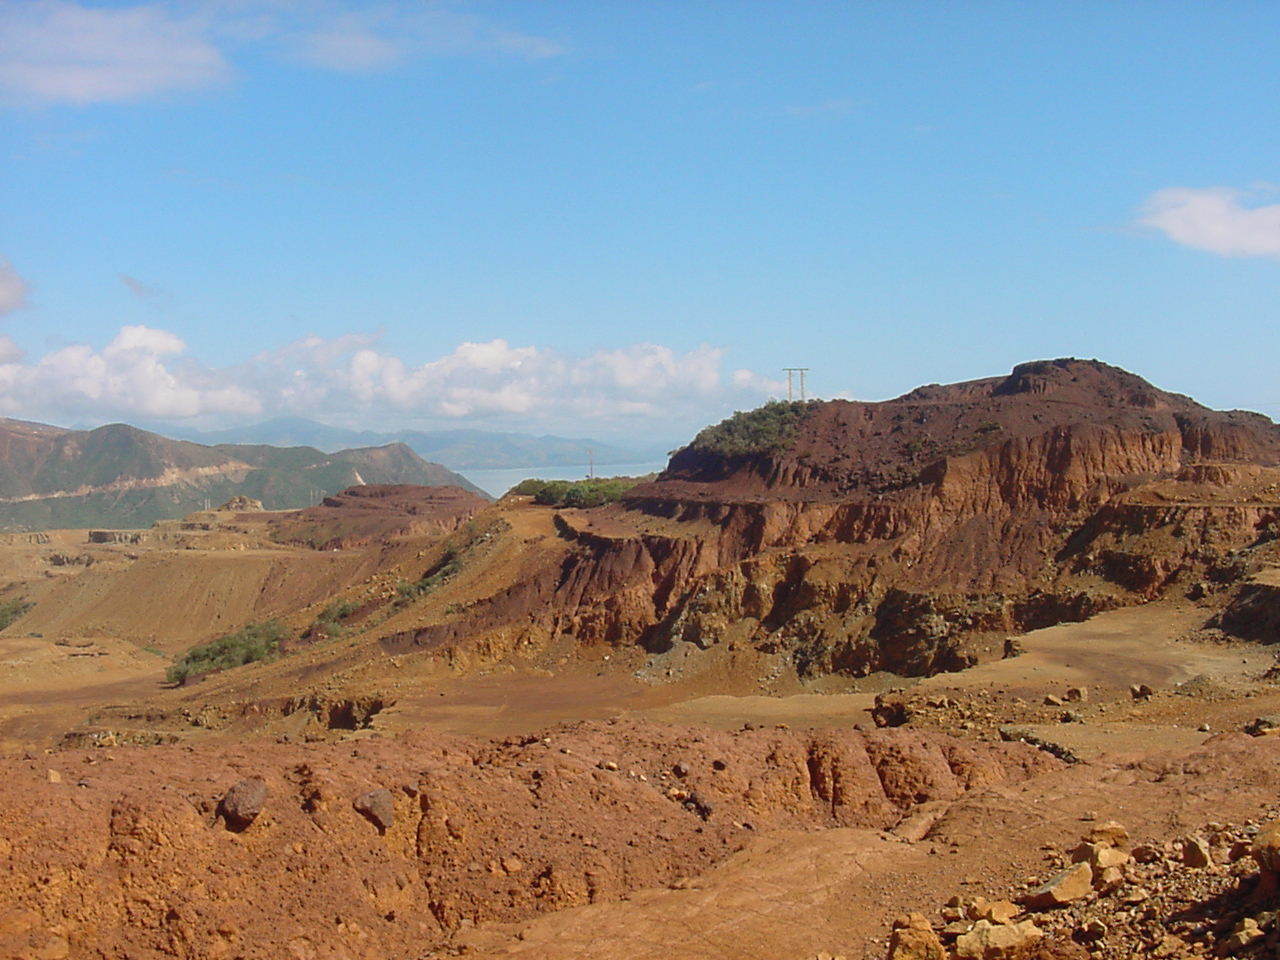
{"type": "Point", "coordinates": [444, 569]}
{"type": "Point", "coordinates": [257, 641]}
{"type": "Point", "coordinates": [329, 624]}
{"type": "Point", "coordinates": [577, 493]}
{"type": "Point", "coordinates": [11, 610]}
{"type": "Point", "coordinates": [767, 429]}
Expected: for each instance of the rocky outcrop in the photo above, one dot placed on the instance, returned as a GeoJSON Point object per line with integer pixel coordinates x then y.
{"type": "Point", "coordinates": [914, 535]}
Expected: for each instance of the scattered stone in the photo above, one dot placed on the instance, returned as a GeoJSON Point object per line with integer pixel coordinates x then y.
{"type": "Point", "coordinates": [378, 807]}
{"type": "Point", "coordinates": [1052, 700]}
{"type": "Point", "coordinates": [996, 941]}
{"type": "Point", "coordinates": [1108, 879]}
{"type": "Point", "coordinates": [913, 939]}
{"type": "Point", "coordinates": [242, 804]}
{"type": "Point", "coordinates": [1196, 852]}
{"type": "Point", "coordinates": [1266, 852]}
{"type": "Point", "coordinates": [999, 911]}
{"type": "Point", "coordinates": [1111, 832]}
{"type": "Point", "coordinates": [1245, 933]}
{"type": "Point", "coordinates": [1092, 930]}
{"type": "Point", "coordinates": [1147, 853]}
{"type": "Point", "coordinates": [1099, 855]}
{"type": "Point", "coordinates": [1068, 886]}
{"type": "Point", "coordinates": [1260, 726]}
{"type": "Point", "coordinates": [890, 710]}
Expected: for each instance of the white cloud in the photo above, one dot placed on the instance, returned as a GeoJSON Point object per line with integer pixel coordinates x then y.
{"type": "Point", "coordinates": [130, 377]}
{"type": "Point", "coordinates": [13, 289]}
{"type": "Point", "coordinates": [1220, 220]}
{"type": "Point", "coordinates": [144, 373]}
{"type": "Point", "coordinates": [58, 51]}
{"type": "Point", "coordinates": [350, 42]}
{"type": "Point", "coordinates": [357, 38]}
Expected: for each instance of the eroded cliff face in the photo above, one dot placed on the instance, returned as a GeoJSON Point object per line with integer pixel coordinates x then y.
{"type": "Point", "coordinates": [908, 535]}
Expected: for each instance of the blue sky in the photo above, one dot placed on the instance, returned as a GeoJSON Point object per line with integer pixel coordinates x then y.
{"type": "Point", "coordinates": [622, 219]}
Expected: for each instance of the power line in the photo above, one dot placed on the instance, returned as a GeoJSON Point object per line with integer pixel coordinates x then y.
{"type": "Point", "coordinates": [791, 372]}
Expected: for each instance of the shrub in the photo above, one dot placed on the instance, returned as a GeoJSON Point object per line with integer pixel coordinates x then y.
{"type": "Point", "coordinates": [527, 488]}
{"type": "Point", "coordinates": [257, 641]}
{"type": "Point", "coordinates": [577, 493]}
{"type": "Point", "coordinates": [446, 567]}
{"type": "Point", "coordinates": [766, 429]}
{"type": "Point", "coordinates": [328, 625]}
{"type": "Point", "coordinates": [11, 610]}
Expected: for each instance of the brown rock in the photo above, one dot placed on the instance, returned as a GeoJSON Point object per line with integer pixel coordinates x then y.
{"type": "Point", "coordinates": [1099, 856]}
{"type": "Point", "coordinates": [1000, 911]}
{"type": "Point", "coordinates": [1196, 852]}
{"type": "Point", "coordinates": [1111, 833]}
{"type": "Point", "coordinates": [1108, 879]}
{"type": "Point", "coordinates": [1147, 853]}
{"type": "Point", "coordinates": [991, 941]}
{"type": "Point", "coordinates": [1070, 885]}
{"type": "Point", "coordinates": [243, 802]}
{"type": "Point", "coordinates": [1245, 933]}
{"type": "Point", "coordinates": [1077, 694]}
{"type": "Point", "coordinates": [1266, 851]}
{"type": "Point", "coordinates": [913, 939]}
{"type": "Point", "coordinates": [1140, 691]}
{"type": "Point", "coordinates": [1059, 950]}
{"type": "Point", "coordinates": [378, 807]}
{"type": "Point", "coordinates": [1266, 847]}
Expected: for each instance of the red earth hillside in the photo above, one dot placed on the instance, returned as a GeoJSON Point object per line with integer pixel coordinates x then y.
{"type": "Point", "coordinates": [907, 535]}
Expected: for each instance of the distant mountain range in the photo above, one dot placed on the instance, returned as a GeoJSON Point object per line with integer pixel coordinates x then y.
{"type": "Point", "coordinates": [121, 476]}
{"type": "Point", "coordinates": [456, 449]}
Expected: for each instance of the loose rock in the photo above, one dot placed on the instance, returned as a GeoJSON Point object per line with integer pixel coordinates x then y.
{"type": "Point", "coordinates": [1070, 885]}
{"type": "Point", "coordinates": [913, 939]}
{"type": "Point", "coordinates": [378, 807]}
{"type": "Point", "coordinates": [242, 804]}
{"type": "Point", "coordinates": [992, 941]}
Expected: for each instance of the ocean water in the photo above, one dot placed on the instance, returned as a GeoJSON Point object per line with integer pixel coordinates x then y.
{"type": "Point", "coordinates": [496, 482]}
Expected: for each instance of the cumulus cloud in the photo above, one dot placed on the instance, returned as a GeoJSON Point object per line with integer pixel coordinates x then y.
{"type": "Point", "coordinates": [13, 289]}
{"type": "Point", "coordinates": [1221, 220]}
{"type": "Point", "coordinates": [144, 372]}
{"type": "Point", "coordinates": [60, 51]}
{"type": "Point", "coordinates": [132, 376]}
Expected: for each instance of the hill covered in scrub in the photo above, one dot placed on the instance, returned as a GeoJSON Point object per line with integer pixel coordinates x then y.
{"type": "Point", "coordinates": [120, 476]}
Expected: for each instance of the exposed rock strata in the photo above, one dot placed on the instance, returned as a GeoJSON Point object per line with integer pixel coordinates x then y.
{"type": "Point", "coordinates": [909, 535]}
